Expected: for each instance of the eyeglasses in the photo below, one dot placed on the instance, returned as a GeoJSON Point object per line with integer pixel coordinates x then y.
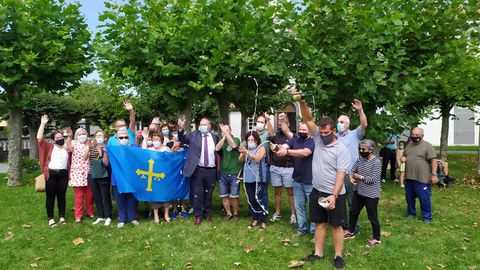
{"type": "Point", "coordinates": [121, 138]}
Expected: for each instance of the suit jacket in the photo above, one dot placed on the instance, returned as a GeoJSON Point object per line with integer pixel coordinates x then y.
{"type": "Point", "coordinates": [194, 140]}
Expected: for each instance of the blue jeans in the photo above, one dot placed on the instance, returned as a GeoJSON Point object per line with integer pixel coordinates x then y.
{"type": "Point", "coordinates": [415, 189]}
{"type": "Point", "coordinates": [229, 186]}
{"type": "Point", "coordinates": [301, 194]}
{"type": "Point", "coordinates": [126, 205]}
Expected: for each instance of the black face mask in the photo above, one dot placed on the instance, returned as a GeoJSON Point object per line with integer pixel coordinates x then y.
{"type": "Point", "coordinates": [302, 135]}
{"type": "Point", "coordinates": [416, 139]}
{"type": "Point", "coordinates": [279, 131]}
{"type": "Point", "coordinates": [60, 142]}
{"type": "Point", "coordinates": [326, 139]}
{"type": "Point", "coordinates": [364, 154]}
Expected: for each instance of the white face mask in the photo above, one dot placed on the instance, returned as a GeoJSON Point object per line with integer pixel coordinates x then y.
{"type": "Point", "coordinates": [149, 143]}
{"type": "Point", "coordinates": [252, 145]}
{"type": "Point", "coordinates": [260, 126]}
{"type": "Point", "coordinates": [123, 141]}
{"type": "Point", "coordinates": [100, 140]}
{"type": "Point", "coordinates": [82, 138]}
{"type": "Point", "coordinates": [156, 144]}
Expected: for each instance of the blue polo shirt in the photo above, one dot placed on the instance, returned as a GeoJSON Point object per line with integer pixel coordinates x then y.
{"type": "Point", "coordinates": [113, 140]}
{"type": "Point", "coordinates": [302, 171]}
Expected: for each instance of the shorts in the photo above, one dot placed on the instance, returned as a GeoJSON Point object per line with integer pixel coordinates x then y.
{"type": "Point", "coordinates": [318, 214]}
{"type": "Point", "coordinates": [402, 167]}
{"type": "Point", "coordinates": [229, 186]}
{"type": "Point", "coordinates": [281, 176]}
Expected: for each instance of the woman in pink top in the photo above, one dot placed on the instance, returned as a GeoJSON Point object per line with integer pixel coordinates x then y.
{"type": "Point", "coordinates": [78, 174]}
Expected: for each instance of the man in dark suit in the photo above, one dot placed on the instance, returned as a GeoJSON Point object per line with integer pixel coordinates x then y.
{"type": "Point", "coordinates": [201, 166]}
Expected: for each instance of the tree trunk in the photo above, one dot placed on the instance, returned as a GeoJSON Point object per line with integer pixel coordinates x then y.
{"type": "Point", "coordinates": [223, 107]}
{"type": "Point", "coordinates": [478, 155]}
{"type": "Point", "coordinates": [186, 113]}
{"type": "Point", "coordinates": [445, 112]}
{"type": "Point", "coordinates": [14, 140]}
{"type": "Point", "coordinates": [32, 133]}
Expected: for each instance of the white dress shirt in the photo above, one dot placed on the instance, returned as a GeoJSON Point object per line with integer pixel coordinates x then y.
{"type": "Point", "coordinates": [211, 151]}
{"type": "Point", "coordinates": [58, 159]}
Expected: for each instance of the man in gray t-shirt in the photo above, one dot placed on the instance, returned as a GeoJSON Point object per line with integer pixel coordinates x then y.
{"type": "Point", "coordinates": [331, 160]}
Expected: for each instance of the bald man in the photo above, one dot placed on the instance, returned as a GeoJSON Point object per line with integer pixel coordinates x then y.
{"type": "Point", "coordinates": [201, 166]}
{"type": "Point", "coordinates": [420, 173]}
{"type": "Point", "coordinates": [351, 139]}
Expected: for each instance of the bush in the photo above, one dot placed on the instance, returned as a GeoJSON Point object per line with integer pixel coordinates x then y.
{"type": "Point", "coordinates": [29, 164]}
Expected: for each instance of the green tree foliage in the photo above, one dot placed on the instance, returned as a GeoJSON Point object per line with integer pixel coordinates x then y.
{"type": "Point", "coordinates": [186, 50]}
{"type": "Point", "coordinates": [44, 45]}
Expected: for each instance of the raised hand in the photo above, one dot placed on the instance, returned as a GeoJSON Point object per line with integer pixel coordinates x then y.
{"type": "Point", "coordinates": [156, 120]}
{"type": "Point", "coordinates": [44, 119]}
{"type": "Point", "coordinates": [145, 132]}
{"type": "Point", "coordinates": [224, 129]}
{"type": "Point", "coordinates": [357, 104]}
{"type": "Point", "coordinates": [127, 105]}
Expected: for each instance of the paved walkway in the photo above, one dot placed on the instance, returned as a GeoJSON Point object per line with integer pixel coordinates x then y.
{"type": "Point", "coordinates": [3, 167]}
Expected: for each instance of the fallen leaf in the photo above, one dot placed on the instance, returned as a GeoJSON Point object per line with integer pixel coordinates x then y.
{"type": "Point", "coordinates": [237, 263]}
{"type": "Point", "coordinates": [9, 235]}
{"type": "Point", "coordinates": [385, 234]}
{"type": "Point", "coordinates": [348, 253]}
{"type": "Point", "coordinates": [466, 239]}
{"type": "Point", "coordinates": [78, 241]}
{"type": "Point", "coordinates": [442, 266]}
{"type": "Point", "coordinates": [38, 258]}
{"type": "Point", "coordinates": [475, 225]}
{"type": "Point", "coordinates": [429, 268]}
{"type": "Point", "coordinates": [463, 247]}
{"type": "Point", "coordinates": [189, 265]}
{"type": "Point", "coordinates": [472, 267]}
{"type": "Point", "coordinates": [295, 264]}
{"type": "Point", "coordinates": [404, 264]}
{"type": "Point", "coordinates": [26, 226]}
{"type": "Point", "coordinates": [50, 248]}
{"type": "Point", "coordinates": [248, 250]}
{"type": "Point", "coordinates": [34, 265]}
{"type": "Point", "coordinates": [366, 253]}
{"type": "Point", "coordinates": [286, 241]}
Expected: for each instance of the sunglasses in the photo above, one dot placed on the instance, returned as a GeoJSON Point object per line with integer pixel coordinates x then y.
{"type": "Point", "coordinates": [121, 138]}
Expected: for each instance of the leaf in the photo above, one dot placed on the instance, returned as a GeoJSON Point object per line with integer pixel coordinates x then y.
{"type": "Point", "coordinates": [286, 241]}
{"type": "Point", "coordinates": [385, 234]}
{"type": "Point", "coordinates": [295, 264]}
{"type": "Point", "coordinates": [429, 268]}
{"type": "Point", "coordinates": [34, 265]}
{"type": "Point", "coordinates": [442, 266]}
{"type": "Point", "coordinates": [189, 265]}
{"type": "Point", "coordinates": [9, 235]}
{"type": "Point", "coordinates": [237, 263]}
{"type": "Point", "coordinates": [366, 254]}
{"type": "Point", "coordinates": [348, 253]}
{"type": "Point", "coordinates": [78, 241]}
{"type": "Point", "coordinates": [26, 226]}
{"type": "Point", "coordinates": [248, 250]}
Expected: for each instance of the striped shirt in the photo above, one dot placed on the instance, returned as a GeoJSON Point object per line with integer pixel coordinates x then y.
{"type": "Point", "coordinates": [93, 155]}
{"type": "Point", "coordinates": [371, 170]}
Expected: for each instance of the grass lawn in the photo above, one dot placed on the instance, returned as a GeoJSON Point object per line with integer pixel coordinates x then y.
{"type": "Point", "coordinates": [450, 242]}
{"type": "Point", "coordinates": [460, 148]}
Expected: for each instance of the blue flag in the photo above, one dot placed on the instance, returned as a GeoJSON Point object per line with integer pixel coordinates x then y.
{"type": "Point", "coordinates": [150, 175]}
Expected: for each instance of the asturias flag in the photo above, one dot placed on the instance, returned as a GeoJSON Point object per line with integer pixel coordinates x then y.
{"type": "Point", "coordinates": [150, 175]}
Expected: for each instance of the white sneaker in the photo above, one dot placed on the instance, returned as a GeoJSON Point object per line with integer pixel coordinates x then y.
{"type": "Point", "coordinates": [293, 220]}
{"type": "Point", "coordinates": [135, 222]}
{"type": "Point", "coordinates": [98, 220]}
{"type": "Point", "coordinates": [51, 223]}
{"type": "Point", "coordinates": [275, 217]}
{"type": "Point", "coordinates": [108, 221]}
{"type": "Point", "coordinates": [120, 225]}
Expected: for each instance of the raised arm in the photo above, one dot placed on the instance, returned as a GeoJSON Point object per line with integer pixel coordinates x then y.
{"type": "Point", "coordinates": [41, 128]}
{"type": "Point", "coordinates": [307, 117]}
{"type": "Point", "coordinates": [269, 124]}
{"type": "Point", "coordinates": [129, 107]}
{"type": "Point", "coordinates": [285, 128]}
{"type": "Point", "coordinates": [357, 104]}
{"type": "Point", "coordinates": [181, 132]}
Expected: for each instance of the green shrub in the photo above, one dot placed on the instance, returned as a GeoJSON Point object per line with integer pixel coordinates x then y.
{"type": "Point", "coordinates": [29, 164]}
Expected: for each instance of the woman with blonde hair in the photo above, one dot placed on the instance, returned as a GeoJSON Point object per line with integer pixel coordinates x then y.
{"type": "Point", "coordinates": [79, 147]}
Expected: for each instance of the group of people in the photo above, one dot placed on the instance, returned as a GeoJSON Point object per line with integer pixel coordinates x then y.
{"type": "Point", "coordinates": [325, 163]}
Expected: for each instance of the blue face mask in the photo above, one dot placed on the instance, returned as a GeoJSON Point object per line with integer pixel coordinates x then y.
{"type": "Point", "coordinates": [326, 139]}
{"type": "Point", "coordinates": [165, 132]}
{"type": "Point", "coordinates": [203, 129]}
{"type": "Point", "coordinates": [340, 127]}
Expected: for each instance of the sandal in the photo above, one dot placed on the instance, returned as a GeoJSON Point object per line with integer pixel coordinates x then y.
{"type": "Point", "coordinates": [236, 217]}
{"type": "Point", "coordinates": [228, 217]}
{"type": "Point", "coordinates": [251, 226]}
{"type": "Point", "coordinates": [262, 227]}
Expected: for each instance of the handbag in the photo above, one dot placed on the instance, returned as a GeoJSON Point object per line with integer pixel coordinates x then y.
{"type": "Point", "coordinates": [40, 183]}
{"type": "Point", "coordinates": [98, 169]}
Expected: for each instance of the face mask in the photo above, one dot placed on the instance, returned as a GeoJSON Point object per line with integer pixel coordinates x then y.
{"type": "Point", "coordinates": [326, 139]}
{"type": "Point", "coordinates": [60, 142]}
{"type": "Point", "coordinates": [82, 138]}
{"type": "Point", "coordinates": [252, 145]}
{"type": "Point", "coordinates": [165, 132]}
{"type": "Point", "coordinates": [100, 140]}
{"type": "Point", "coordinates": [416, 139]}
{"type": "Point", "coordinates": [302, 135]}
{"type": "Point", "coordinates": [364, 154]}
{"type": "Point", "coordinates": [279, 131]}
{"type": "Point", "coordinates": [156, 144]}
{"type": "Point", "coordinates": [203, 129]}
{"type": "Point", "coordinates": [149, 143]}
{"type": "Point", "coordinates": [340, 127]}
{"type": "Point", "coordinates": [175, 136]}
{"type": "Point", "coordinates": [260, 126]}
{"type": "Point", "coordinates": [123, 141]}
